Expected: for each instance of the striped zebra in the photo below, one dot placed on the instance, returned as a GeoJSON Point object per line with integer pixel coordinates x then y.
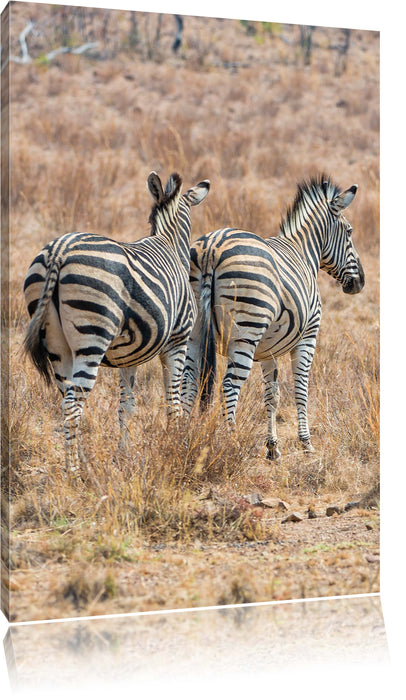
{"type": "Point", "coordinates": [259, 299]}
{"type": "Point", "coordinates": [94, 301]}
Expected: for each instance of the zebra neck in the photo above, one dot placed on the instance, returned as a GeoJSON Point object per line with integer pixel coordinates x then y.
{"type": "Point", "coordinates": [175, 232]}
{"type": "Point", "coordinates": [307, 224]}
{"type": "Point", "coordinates": [308, 242]}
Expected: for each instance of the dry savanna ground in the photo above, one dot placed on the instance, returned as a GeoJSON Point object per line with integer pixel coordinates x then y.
{"type": "Point", "coordinates": [190, 517]}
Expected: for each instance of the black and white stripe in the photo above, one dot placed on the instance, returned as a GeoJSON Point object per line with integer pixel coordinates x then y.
{"type": "Point", "coordinates": [94, 301]}
{"type": "Point", "coordinates": [259, 299]}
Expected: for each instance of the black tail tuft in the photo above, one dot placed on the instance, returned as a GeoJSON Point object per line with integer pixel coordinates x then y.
{"type": "Point", "coordinates": [34, 347]}
{"type": "Point", "coordinates": [208, 346]}
{"type": "Point", "coordinates": [208, 366]}
{"type": "Point", "coordinates": [33, 341]}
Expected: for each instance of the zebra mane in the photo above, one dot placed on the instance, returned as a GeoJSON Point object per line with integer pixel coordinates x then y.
{"type": "Point", "coordinates": [172, 191]}
{"type": "Point", "coordinates": [309, 194]}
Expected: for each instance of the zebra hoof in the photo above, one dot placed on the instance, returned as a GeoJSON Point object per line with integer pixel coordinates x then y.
{"type": "Point", "coordinates": [273, 452]}
{"type": "Point", "coordinates": [307, 446]}
{"type": "Point", "coordinates": [73, 474]}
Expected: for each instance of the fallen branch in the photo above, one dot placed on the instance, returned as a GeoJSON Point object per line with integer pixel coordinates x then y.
{"type": "Point", "coordinates": [68, 49]}
{"type": "Point", "coordinates": [25, 57]}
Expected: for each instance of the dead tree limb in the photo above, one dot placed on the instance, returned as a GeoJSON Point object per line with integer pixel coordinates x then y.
{"type": "Point", "coordinates": [26, 58]}
{"type": "Point", "coordinates": [179, 32]}
{"type": "Point", "coordinates": [306, 39]}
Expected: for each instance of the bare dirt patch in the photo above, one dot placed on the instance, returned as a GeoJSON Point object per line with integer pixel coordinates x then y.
{"type": "Point", "coordinates": [323, 556]}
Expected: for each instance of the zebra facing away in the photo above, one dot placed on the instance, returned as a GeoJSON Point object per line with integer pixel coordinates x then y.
{"type": "Point", "coordinates": [259, 299]}
{"type": "Point", "coordinates": [94, 301]}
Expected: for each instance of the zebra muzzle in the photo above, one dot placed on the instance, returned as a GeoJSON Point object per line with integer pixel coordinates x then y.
{"type": "Point", "coordinates": [353, 285]}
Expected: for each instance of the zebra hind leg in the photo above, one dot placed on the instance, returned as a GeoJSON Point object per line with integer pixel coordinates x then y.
{"type": "Point", "coordinates": [190, 377]}
{"type": "Point", "coordinates": [73, 395]}
{"type": "Point", "coordinates": [127, 402]}
{"type": "Point", "coordinates": [240, 361]}
{"type": "Point", "coordinates": [72, 408]}
{"type": "Point", "coordinates": [272, 399]}
{"type": "Point", "coordinates": [75, 381]}
{"type": "Point", "coordinates": [173, 361]}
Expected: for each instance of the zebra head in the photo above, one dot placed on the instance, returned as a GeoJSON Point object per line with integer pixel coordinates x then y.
{"type": "Point", "coordinates": [170, 215]}
{"type": "Point", "coordinates": [170, 201]}
{"type": "Point", "coordinates": [167, 199]}
{"type": "Point", "coordinates": [339, 256]}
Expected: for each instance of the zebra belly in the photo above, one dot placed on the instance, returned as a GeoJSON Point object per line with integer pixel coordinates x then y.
{"type": "Point", "coordinates": [281, 336]}
{"type": "Point", "coordinates": [129, 349]}
{"type": "Point", "coordinates": [147, 334]}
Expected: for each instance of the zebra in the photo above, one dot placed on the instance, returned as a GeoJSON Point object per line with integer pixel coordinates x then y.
{"type": "Point", "coordinates": [259, 299]}
{"type": "Point", "coordinates": [94, 301]}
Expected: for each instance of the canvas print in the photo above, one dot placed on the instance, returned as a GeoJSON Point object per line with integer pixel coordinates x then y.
{"type": "Point", "coordinates": [239, 648]}
{"type": "Point", "coordinates": [190, 311]}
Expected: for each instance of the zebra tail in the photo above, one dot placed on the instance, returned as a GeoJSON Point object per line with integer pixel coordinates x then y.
{"type": "Point", "coordinates": [208, 343]}
{"type": "Point", "coordinates": [33, 343]}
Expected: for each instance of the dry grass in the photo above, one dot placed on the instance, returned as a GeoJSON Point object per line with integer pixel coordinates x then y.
{"type": "Point", "coordinates": [85, 135]}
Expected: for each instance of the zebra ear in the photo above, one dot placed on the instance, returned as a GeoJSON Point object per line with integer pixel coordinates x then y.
{"type": "Point", "coordinates": [344, 199]}
{"type": "Point", "coordinates": [326, 185]}
{"type": "Point", "coordinates": [197, 194]}
{"type": "Point", "coordinates": [154, 187]}
{"type": "Point", "coordinates": [173, 185]}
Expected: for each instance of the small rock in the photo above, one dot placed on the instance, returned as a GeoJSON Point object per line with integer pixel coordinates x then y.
{"type": "Point", "coordinates": [293, 518]}
{"type": "Point", "coordinates": [275, 503]}
{"type": "Point", "coordinates": [333, 510]}
{"type": "Point", "coordinates": [371, 499]}
{"type": "Point", "coordinates": [373, 558]}
{"type": "Point", "coordinates": [351, 505]}
{"type": "Point", "coordinates": [206, 495]}
{"type": "Point", "coordinates": [211, 507]}
{"type": "Point", "coordinates": [369, 526]}
{"type": "Point", "coordinates": [311, 513]}
{"type": "Point", "coordinates": [254, 499]}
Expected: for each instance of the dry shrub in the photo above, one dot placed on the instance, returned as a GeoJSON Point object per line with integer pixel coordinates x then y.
{"type": "Point", "coordinates": [88, 586]}
{"type": "Point", "coordinates": [158, 486]}
{"type": "Point", "coordinates": [240, 591]}
{"type": "Point", "coordinates": [349, 379]}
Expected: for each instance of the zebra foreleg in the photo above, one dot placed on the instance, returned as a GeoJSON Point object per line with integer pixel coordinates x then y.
{"type": "Point", "coordinates": [301, 358]}
{"type": "Point", "coordinates": [272, 398]}
{"type": "Point", "coordinates": [127, 402]}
